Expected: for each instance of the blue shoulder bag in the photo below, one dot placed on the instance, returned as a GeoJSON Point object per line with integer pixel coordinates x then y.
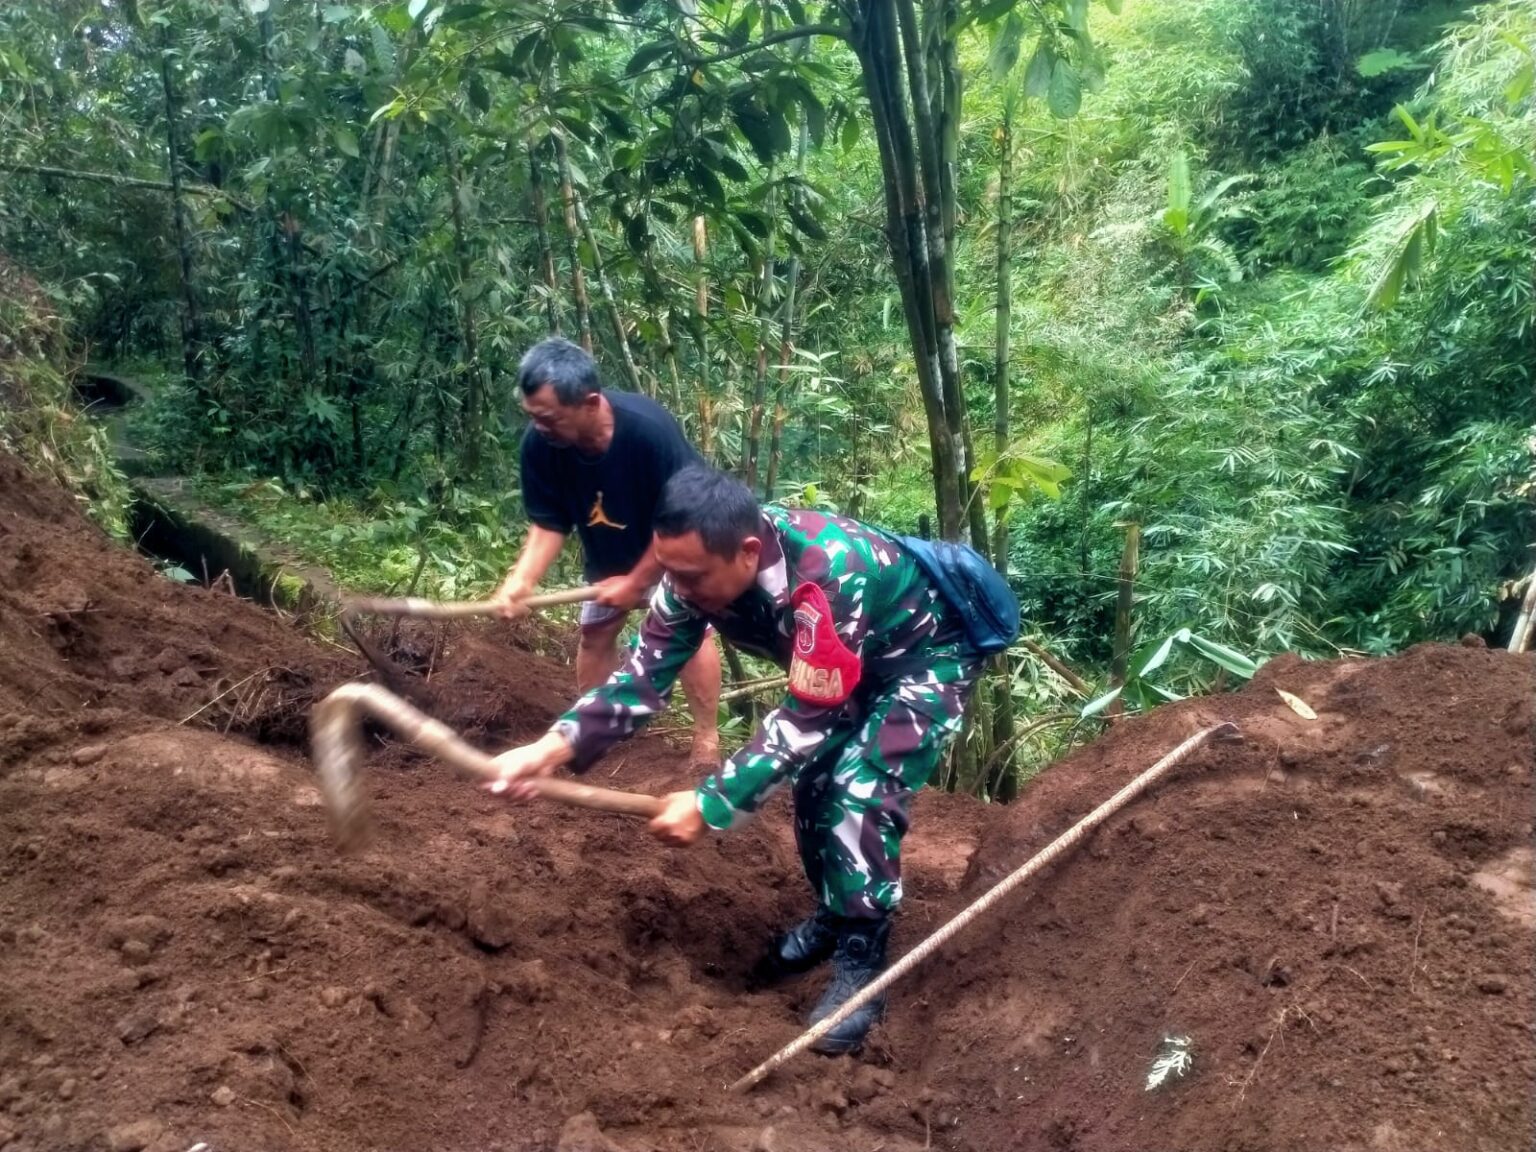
{"type": "Point", "coordinates": [972, 587]}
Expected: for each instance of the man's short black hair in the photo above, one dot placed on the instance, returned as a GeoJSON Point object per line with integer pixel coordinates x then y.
{"type": "Point", "coordinates": [563, 366]}
{"type": "Point", "coordinates": [720, 508]}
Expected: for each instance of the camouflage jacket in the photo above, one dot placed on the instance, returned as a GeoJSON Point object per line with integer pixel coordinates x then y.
{"type": "Point", "coordinates": [882, 607]}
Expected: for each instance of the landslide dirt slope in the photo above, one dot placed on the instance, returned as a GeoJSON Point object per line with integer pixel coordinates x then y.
{"type": "Point", "coordinates": [1338, 912]}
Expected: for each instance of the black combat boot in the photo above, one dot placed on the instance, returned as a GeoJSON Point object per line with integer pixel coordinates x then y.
{"type": "Point", "coordinates": [807, 944]}
{"type": "Point", "coordinates": [858, 959]}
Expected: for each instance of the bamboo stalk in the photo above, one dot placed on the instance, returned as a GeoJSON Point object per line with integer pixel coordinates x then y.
{"type": "Point", "coordinates": [753, 688]}
{"type": "Point", "coordinates": [1520, 640]}
{"type": "Point", "coordinates": [1074, 681]}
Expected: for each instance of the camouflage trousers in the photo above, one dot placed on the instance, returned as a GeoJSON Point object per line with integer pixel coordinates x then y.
{"type": "Point", "coordinates": [852, 801]}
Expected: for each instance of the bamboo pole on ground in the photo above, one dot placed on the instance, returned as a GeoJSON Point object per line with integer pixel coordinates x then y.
{"type": "Point", "coordinates": [1056, 848]}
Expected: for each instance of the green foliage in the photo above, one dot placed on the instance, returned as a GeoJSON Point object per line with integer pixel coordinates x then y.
{"type": "Point", "coordinates": [1305, 211]}
{"type": "Point", "coordinates": [1141, 692]}
{"type": "Point", "coordinates": [378, 542]}
{"type": "Point", "coordinates": [39, 418]}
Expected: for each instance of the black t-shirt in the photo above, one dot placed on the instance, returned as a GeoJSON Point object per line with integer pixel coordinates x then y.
{"type": "Point", "coordinates": [609, 499]}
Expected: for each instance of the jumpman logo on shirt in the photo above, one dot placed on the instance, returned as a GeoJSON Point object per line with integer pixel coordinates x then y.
{"type": "Point", "coordinates": [599, 519]}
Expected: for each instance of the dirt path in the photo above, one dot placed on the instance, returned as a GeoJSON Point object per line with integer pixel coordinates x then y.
{"type": "Point", "coordinates": [1337, 912]}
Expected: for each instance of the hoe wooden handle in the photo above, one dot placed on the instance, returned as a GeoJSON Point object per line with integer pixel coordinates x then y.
{"type": "Point", "coordinates": [452, 609]}
{"type": "Point", "coordinates": [336, 745]}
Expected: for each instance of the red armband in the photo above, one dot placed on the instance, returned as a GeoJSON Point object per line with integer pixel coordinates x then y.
{"type": "Point", "coordinates": [822, 670]}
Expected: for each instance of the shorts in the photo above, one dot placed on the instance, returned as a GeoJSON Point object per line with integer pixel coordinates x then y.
{"type": "Point", "coordinates": [595, 616]}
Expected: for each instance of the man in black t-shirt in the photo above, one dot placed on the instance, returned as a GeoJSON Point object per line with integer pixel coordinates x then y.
{"type": "Point", "coordinates": [595, 463]}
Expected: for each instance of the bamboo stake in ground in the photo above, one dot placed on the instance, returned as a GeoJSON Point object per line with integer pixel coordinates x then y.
{"type": "Point", "coordinates": [336, 745]}
{"type": "Point", "coordinates": [931, 945]}
{"type": "Point", "coordinates": [1520, 639]}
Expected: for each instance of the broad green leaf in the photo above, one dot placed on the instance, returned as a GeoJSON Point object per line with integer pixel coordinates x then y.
{"type": "Point", "coordinates": [805, 221]}
{"type": "Point", "coordinates": [1037, 76]}
{"type": "Point", "coordinates": [754, 221]}
{"type": "Point", "coordinates": [479, 94]}
{"type": "Point", "coordinates": [986, 14]}
{"type": "Point", "coordinates": [1077, 16]}
{"type": "Point", "coordinates": [1409, 122]}
{"type": "Point", "coordinates": [1229, 658]}
{"type": "Point", "coordinates": [1005, 46]}
{"type": "Point", "coordinates": [766, 132]}
{"type": "Point", "coordinates": [1066, 94]}
{"type": "Point", "coordinates": [346, 142]}
{"type": "Point", "coordinates": [336, 13]}
{"type": "Point", "coordinates": [383, 49]}
{"type": "Point", "coordinates": [1094, 707]}
{"type": "Point", "coordinates": [815, 120]}
{"type": "Point", "coordinates": [1114, 6]}
{"type": "Point", "coordinates": [848, 135]}
{"type": "Point", "coordinates": [646, 55]}
{"type": "Point", "coordinates": [394, 18]}
{"type": "Point", "coordinates": [1149, 661]}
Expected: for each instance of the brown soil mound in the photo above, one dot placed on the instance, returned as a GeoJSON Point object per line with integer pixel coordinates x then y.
{"type": "Point", "coordinates": [1337, 912]}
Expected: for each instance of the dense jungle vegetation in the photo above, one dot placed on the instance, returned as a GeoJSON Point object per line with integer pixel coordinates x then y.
{"type": "Point", "coordinates": [1234, 295]}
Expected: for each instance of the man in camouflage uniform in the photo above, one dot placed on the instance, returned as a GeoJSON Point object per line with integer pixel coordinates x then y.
{"type": "Point", "coordinates": [879, 666]}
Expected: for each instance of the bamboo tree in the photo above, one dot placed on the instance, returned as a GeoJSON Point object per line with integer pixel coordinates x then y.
{"type": "Point", "coordinates": [1124, 600]}
{"type": "Point", "coordinates": [473, 401]}
{"type": "Point", "coordinates": [546, 252]}
{"type": "Point", "coordinates": [191, 322]}
{"type": "Point", "coordinates": [706, 429]}
{"type": "Point", "coordinates": [1002, 712]}
{"type": "Point", "coordinates": [874, 40]}
{"type": "Point", "coordinates": [584, 221]}
{"type": "Point", "coordinates": [787, 322]}
{"type": "Point", "coordinates": [572, 231]}
{"type": "Point", "coordinates": [765, 292]}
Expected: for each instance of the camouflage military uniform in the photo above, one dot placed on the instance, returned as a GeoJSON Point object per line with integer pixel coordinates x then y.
{"type": "Point", "coordinates": [853, 766]}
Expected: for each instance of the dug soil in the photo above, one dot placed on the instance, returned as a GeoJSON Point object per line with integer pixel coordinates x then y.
{"type": "Point", "coordinates": [1336, 912]}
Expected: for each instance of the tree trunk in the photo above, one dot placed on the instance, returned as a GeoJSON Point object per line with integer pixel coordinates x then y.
{"type": "Point", "coordinates": [546, 252]}
{"type": "Point", "coordinates": [706, 429]}
{"type": "Point", "coordinates": [874, 40]}
{"type": "Point", "coordinates": [1000, 364]}
{"type": "Point", "coordinates": [584, 222]}
{"type": "Point", "coordinates": [191, 321]}
{"type": "Point", "coordinates": [1002, 714]}
{"type": "Point", "coordinates": [764, 335]}
{"type": "Point", "coordinates": [572, 231]}
{"type": "Point", "coordinates": [473, 402]}
{"type": "Point", "coordinates": [405, 418]}
{"type": "Point", "coordinates": [787, 327]}
{"type": "Point", "coordinates": [298, 282]}
{"type": "Point", "coordinates": [1525, 623]}
{"type": "Point", "coordinates": [932, 120]}
{"type": "Point", "coordinates": [657, 300]}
